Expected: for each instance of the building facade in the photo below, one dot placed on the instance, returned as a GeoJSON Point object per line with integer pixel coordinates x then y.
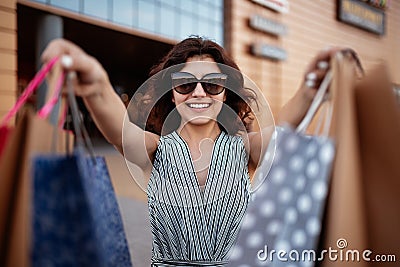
{"type": "Point", "coordinates": [272, 41]}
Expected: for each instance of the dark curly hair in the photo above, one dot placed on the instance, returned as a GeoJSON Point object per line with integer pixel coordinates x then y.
{"type": "Point", "coordinates": [163, 117]}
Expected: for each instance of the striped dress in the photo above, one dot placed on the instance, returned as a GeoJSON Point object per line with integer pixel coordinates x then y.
{"type": "Point", "coordinates": [190, 226]}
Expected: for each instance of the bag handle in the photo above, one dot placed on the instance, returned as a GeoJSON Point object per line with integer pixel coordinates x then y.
{"type": "Point", "coordinates": [316, 103]}
{"type": "Point", "coordinates": [82, 136]}
{"type": "Point", "coordinates": [322, 94]}
{"type": "Point", "coordinates": [48, 107]}
{"type": "Point", "coordinates": [30, 89]}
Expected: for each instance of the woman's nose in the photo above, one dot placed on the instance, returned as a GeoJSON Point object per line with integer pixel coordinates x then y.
{"type": "Point", "coordinates": [199, 90]}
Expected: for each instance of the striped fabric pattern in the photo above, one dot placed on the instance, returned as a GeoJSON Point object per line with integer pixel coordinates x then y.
{"type": "Point", "coordinates": [191, 227]}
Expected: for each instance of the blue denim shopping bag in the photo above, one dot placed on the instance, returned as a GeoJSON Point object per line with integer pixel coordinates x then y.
{"type": "Point", "coordinates": [76, 218]}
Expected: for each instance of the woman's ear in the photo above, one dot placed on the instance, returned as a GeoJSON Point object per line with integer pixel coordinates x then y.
{"type": "Point", "coordinates": [171, 93]}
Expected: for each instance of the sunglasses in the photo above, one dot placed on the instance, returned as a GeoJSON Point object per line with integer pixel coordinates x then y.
{"type": "Point", "coordinates": [212, 83]}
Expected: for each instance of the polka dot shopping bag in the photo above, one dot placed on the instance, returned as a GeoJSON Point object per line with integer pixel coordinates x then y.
{"type": "Point", "coordinates": [284, 218]}
{"type": "Point", "coordinates": [283, 222]}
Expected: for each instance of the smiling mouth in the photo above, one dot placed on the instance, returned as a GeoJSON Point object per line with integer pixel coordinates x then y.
{"type": "Point", "coordinates": [199, 106]}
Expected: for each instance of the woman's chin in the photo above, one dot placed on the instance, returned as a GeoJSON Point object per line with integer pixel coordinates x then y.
{"type": "Point", "coordinates": [200, 120]}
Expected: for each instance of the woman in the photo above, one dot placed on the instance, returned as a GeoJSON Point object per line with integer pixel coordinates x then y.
{"type": "Point", "coordinates": [198, 172]}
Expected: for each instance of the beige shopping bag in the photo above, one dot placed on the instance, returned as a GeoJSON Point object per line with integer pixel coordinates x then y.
{"type": "Point", "coordinates": [345, 214]}
{"type": "Point", "coordinates": [31, 135]}
{"type": "Point", "coordinates": [361, 212]}
{"type": "Point", "coordinates": [378, 117]}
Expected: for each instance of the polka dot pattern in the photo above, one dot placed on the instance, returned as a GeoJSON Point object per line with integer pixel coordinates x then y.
{"type": "Point", "coordinates": [291, 215]}
{"type": "Point", "coordinates": [299, 238]}
{"type": "Point", "coordinates": [287, 210]}
{"type": "Point", "coordinates": [296, 163]}
{"type": "Point", "coordinates": [267, 208]}
{"type": "Point", "coordinates": [255, 239]}
{"type": "Point", "coordinates": [249, 221]}
{"type": "Point", "coordinates": [285, 195]}
{"type": "Point", "coordinates": [304, 203]}
{"type": "Point", "coordinates": [274, 227]}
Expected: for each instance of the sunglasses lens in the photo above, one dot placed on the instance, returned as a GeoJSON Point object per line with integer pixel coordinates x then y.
{"type": "Point", "coordinates": [185, 88]}
{"type": "Point", "coordinates": [212, 88]}
{"type": "Point", "coordinates": [183, 82]}
{"type": "Point", "coordinates": [212, 83]}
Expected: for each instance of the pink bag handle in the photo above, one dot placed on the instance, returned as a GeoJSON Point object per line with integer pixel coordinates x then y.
{"type": "Point", "coordinates": [48, 107]}
{"type": "Point", "coordinates": [32, 86]}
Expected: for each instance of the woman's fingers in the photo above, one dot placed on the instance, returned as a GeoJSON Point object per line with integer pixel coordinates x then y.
{"type": "Point", "coordinates": [72, 57]}
{"type": "Point", "coordinates": [323, 57]}
{"type": "Point", "coordinates": [91, 75]}
{"type": "Point", "coordinates": [59, 47]}
{"type": "Point", "coordinates": [314, 78]}
{"type": "Point", "coordinates": [318, 67]}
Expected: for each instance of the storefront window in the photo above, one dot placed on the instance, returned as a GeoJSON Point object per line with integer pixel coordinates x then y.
{"type": "Point", "coordinates": [175, 19]}
{"type": "Point", "coordinates": [168, 25]}
{"type": "Point", "coordinates": [187, 26]}
{"type": "Point", "coordinates": [171, 3]}
{"type": "Point", "coordinates": [189, 6]}
{"type": "Point", "coordinates": [96, 8]}
{"type": "Point", "coordinates": [123, 12]}
{"type": "Point", "coordinates": [70, 5]}
{"type": "Point", "coordinates": [147, 15]}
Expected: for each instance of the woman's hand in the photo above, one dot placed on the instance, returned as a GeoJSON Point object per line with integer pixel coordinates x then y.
{"type": "Point", "coordinates": [295, 109]}
{"type": "Point", "coordinates": [92, 78]}
{"type": "Point", "coordinates": [92, 84]}
{"type": "Point", "coordinates": [105, 106]}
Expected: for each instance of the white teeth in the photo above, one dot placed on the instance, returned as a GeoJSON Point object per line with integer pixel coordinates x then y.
{"type": "Point", "coordinates": [199, 105]}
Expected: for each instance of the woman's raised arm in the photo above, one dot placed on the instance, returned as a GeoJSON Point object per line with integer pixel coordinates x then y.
{"type": "Point", "coordinates": [103, 103]}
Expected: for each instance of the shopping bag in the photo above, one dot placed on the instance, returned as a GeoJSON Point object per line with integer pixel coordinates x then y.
{"type": "Point", "coordinates": [362, 210]}
{"type": "Point", "coordinates": [76, 217]}
{"type": "Point", "coordinates": [344, 225]}
{"type": "Point", "coordinates": [4, 133]}
{"type": "Point", "coordinates": [286, 211]}
{"type": "Point", "coordinates": [5, 129]}
{"type": "Point", "coordinates": [32, 134]}
{"type": "Point", "coordinates": [285, 216]}
{"type": "Point", "coordinates": [379, 138]}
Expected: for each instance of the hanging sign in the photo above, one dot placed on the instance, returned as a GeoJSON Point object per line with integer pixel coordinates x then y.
{"type": "Point", "coordinates": [281, 6]}
{"type": "Point", "coordinates": [268, 51]}
{"type": "Point", "coordinates": [266, 25]}
{"type": "Point", "coordinates": [362, 15]}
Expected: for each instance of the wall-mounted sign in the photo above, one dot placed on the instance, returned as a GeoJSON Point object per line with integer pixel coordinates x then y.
{"type": "Point", "coordinates": [378, 3]}
{"type": "Point", "coordinates": [266, 25]}
{"type": "Point", "coordinates": [277, 5]}
{"type": "Point", "coordinates": [362, 15]}
{"type": "Point", "coordinates": [268, 51]}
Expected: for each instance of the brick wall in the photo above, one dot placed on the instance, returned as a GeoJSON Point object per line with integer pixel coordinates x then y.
{"type": "Point", "coordinates": [8, 54]}
{"type": "Point", "coordinates": [312, 25]}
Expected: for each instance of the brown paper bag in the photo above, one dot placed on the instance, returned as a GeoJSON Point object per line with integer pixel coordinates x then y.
{"type": "Point", "coordinates": [31, 135]}
{"type": "Point", "coordinates": [378, 117]}
{"type": "Point", "coordinates": [345, 215]}
{"type": "Point", "coordinates": [361, 211]}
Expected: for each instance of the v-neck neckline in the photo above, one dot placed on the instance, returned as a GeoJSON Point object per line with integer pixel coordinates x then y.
{"type": "Point", "coordinates": [210, 166]}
